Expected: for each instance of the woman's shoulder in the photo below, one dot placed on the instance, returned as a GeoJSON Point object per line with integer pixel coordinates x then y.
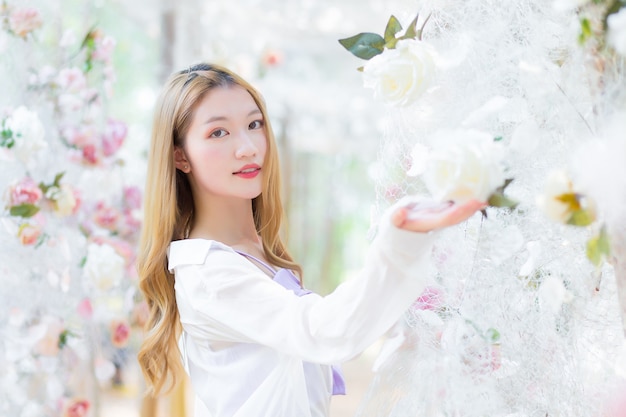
{"type": "Point", "coordinates": [192, 251]}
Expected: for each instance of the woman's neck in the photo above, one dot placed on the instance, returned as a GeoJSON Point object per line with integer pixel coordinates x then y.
{"type": "Point", "coordinates": [229, 221]}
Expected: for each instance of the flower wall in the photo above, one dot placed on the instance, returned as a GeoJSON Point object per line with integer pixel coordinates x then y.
{"type": "Point", "coordinates": [523, 108]}
{"type": "Point", "coordinates": [69, 307]}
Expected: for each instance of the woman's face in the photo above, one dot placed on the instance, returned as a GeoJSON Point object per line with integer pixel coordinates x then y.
{"type": "Point", "coordinates": [225, 146]}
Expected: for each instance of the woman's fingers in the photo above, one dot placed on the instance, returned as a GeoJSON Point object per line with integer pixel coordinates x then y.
{"type": "Point", "coordinates": [433, 217]}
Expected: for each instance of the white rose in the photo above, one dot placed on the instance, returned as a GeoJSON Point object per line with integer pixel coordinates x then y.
{"type": "Point", "coordinates": [399, 76]}
{"type": "Point", "coordinates": [28, 133]}
{"type": "Point", "coordinates": [104, 266]}
{"type": "Point", "coordinates": [464, 165]}
{"type": "Point", "coordinates": [64, 199]}
{"type": "Point", "coordinates": [617, 31]}
{"type": "Point", "coordinates": [557, 184]}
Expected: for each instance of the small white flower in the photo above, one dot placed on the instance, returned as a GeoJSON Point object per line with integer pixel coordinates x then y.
{"type": "Point", "coordinates": [617, 31]}
{"type": "Point", "coordinates": [104, 266]}
{"type": "Point", "coordinates": [552, 294]}
{"type": "Point", "coordinates": [557, 184]}
{"type": "Point", "coordinates": [28, 133]}
{"type": "Point", "coordinates": [464, 165]}
{"type": "Point", "coordinates": [400, 76]}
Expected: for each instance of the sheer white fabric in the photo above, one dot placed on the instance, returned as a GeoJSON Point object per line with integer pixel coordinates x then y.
{"type": "Point", "coordinates": [253, 348]}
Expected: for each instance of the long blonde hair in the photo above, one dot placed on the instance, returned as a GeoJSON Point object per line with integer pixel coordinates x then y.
{"type": "Point", "coordinates": [169, 213]}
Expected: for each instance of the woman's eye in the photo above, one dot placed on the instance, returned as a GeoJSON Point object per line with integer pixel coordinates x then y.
{"type": "Point", "coordinates": [257, 124]}
{"type": "Point", "coordinates": [219, 133]}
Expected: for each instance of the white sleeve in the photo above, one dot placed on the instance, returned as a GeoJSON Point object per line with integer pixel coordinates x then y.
{"type": "Point", "coordinates": [226, 298]}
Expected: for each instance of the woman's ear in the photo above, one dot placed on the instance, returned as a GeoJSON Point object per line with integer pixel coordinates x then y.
{"type": "Point", "coordinates": [180, 160]}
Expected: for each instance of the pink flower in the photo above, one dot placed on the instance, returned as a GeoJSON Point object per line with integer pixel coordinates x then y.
{"type": "Point", "coordinates": [113, 138]}
{"type": "Point", "coordinates": [104, 48]}
{"type": "Point", "coordinates": [120, 333]}
{"type": "Point", "coordinates": [272, 58]}
{"type": "Point", "coordinates": [23, 21]}
{"type": "Point", "coordinates": [29, 234]}
{"type": "Point", "coordinates": [25, 192]}
{"type": "Point", "coordinates": [85, 309]}
{"type": "Point", "coordinates": [431, 299]}
{"type": "Point", "coordinates": [79, 137]}
{"type": "Point", "coordinates": [131, 224]}
{"type": "Point", "coordinates": [90, 154]}
{"type": "Point", "coordinates": [72, 79]}
{"type": "Point", "coordinates": [76, 408]}
{"type": "Point", "coordinates": [105, 216]}
{"type": "Point", "coordinates": [132, 197]}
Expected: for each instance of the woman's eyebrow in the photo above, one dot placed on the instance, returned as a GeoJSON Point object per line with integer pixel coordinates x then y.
{"type": "Point", "coordinates": [219, 118]}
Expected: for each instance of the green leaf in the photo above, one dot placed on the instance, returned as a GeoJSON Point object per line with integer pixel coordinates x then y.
{"type": "Point", "coordinates": [419, 32]}
{"type": "Point", "coordinates": [492, 335]}
{"type": "Point", "coordinates": [581, 217]}
{"type": "Point", "coordinates": [57, 179]}
{"type": "Point", "coordinates": [498, 138]}
{"type": "Point", "coordinates": [24, 210]}
{"type": "Point", "coordinates": [6, 138]}
{"type": "Point", "coordinates": [585, 30]}
{"type": "Point", "coordinates": [63, 337]}
{"type": "Point", "coordinates": [498, 199]}
{"type": "Point", "coordinates": [598, 247]}
{"type": "Point", "coordinates": [364, 45]}
{"type": "Point", "coordinates": [411, 30]}
{"type": "Point", "coordinates": [393, 27]}
{"type": "Point", "coordinates": [360, 69]}
{"type": "Point", "coordinates": [391, 44]}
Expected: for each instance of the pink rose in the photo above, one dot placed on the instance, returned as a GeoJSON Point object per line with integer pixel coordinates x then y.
{"type": "Point", "coordinates": [90, 154]}
{"type": "Point", "coordinates": [85, 309]}
{"type": "Point", "coordinates": [23, 21]}
{"type": "Point", "coordinates": [76, 408]}
{"type": "Point", "coordinates": [29, 234]}
{"type": "Point", "coordinates": [120, 333]}
{"type": "Point", "coordinates": [105, 216]}
{"type": "Point", "coordinates": [25, 192]}
{"type": "Point", "coordinates": [431, 299]}
{"type": "Point", "coordinates": [113, 137]}
{"type": "Point", "coordinates": [132, 197]}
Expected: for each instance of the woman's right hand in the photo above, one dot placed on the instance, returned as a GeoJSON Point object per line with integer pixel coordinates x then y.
{"type": "Point", "coordinates": [424, 217]}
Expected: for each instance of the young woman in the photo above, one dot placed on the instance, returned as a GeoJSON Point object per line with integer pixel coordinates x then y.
{"type": "Point", "coordinates": [219, 281]}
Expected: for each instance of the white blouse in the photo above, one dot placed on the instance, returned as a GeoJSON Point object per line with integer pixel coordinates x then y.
{"type": "Point", "coordinates": [253, 348]}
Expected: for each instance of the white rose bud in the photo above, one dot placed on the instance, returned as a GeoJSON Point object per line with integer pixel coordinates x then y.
{"type": "Point", "coordinates": [464, 165]}
{"type": "Point", "coordinates": [400, 76]}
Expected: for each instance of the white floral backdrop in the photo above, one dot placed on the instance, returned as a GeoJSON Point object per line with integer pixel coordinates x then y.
{"type": "Point", "coordinates": [70, 309]}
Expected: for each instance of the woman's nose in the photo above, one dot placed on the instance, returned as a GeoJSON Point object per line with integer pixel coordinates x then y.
{"type": "Point", "coordinates": [245, 146]}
